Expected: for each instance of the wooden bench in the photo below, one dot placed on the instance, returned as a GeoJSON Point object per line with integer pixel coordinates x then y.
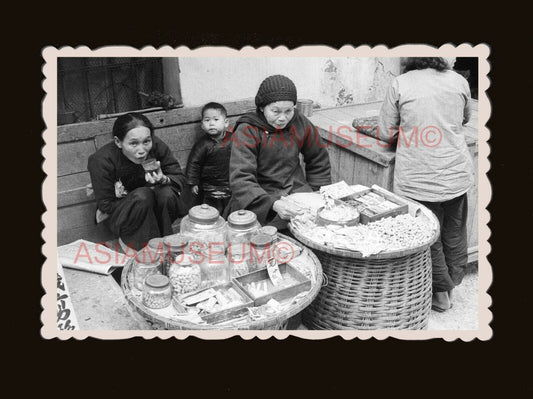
{"type": "Point", "coordinates": [179, 128]}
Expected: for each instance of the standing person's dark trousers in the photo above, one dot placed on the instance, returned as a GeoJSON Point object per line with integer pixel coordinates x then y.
{"type": "Point", "coordinates": [449, 254]}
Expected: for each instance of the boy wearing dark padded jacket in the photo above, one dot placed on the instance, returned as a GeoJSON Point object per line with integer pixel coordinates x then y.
{"type": "Point", "coordinates": [208, 164]}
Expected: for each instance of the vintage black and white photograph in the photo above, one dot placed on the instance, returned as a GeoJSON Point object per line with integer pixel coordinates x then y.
{"type": "Point", "coordinates": [312, 192]}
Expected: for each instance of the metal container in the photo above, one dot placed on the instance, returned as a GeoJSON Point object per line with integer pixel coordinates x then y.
{"type": "Point", "coordinates": [305, 107]}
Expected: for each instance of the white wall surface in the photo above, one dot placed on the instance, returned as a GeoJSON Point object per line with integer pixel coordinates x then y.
{"type": "Point", "coordinates": [329, 81]}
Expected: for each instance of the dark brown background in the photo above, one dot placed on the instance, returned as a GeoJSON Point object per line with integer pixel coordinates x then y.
{"type": "Point", "coordinates": [293, 366]}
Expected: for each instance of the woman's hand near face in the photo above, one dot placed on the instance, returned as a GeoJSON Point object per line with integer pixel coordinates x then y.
{"type": "Point", "coordinates": [156, 177]}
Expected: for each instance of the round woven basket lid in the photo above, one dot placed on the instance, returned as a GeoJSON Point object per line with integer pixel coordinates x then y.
{"type": "Point", "coordinates": [203, 214]}
{"type": "Point", "coordinates": [157, 281]}
{"type": "Point", "coordinates": [242, 219]}
{"type": "Point", "coordinates": [261, 240]}
{"type": "Point", "coordinates": [175, 241]}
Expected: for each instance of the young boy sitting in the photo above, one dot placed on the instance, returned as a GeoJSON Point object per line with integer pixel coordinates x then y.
{"type": "Point", "coordinates": [208, 164]}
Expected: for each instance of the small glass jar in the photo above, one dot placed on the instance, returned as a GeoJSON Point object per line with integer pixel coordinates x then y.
{"type": "Point", "coordinates": [155, 251]}
{"type": "Point", "coordinates": [143, 270]}
{"type": "Point", "coordinates": [239, 258]}
{"type": "Point", "coordinates": [157, 293]}
{"type": "Point", "coordinates": [242, 225]}
{"type": "Point", "coordinates": [203, 227]}
{"type": "Point", "coordinates": [185, 275]}
{"type": "Point", "coordinates": [215, 270]}
{"type": "Point", "coordinates": [272, 231]}
{"type": "Point", "coordinates": [175, 246]}
{"type": "Point", "coordinates": [260, 251]}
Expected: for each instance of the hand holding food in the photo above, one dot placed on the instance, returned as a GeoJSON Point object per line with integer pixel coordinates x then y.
{"type": "Point", "coordinates": [153, 173]}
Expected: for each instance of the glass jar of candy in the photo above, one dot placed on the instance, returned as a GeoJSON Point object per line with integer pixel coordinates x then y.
{"type": "Point", "coordinates": [175, 247]}
{"type": "Point", "coordinates": [143, 270]}
{"type": "Point", "coordinates": [157, 293]}
{"type": "Point", "coordinates": [260, 251]}
{"type": "Point", "coordinates": [215, 269]}
{"type": "Point", "coordinates": [242, 225]}
{"type": "Point", "coordinates": [203, 227]}
{"type": "Point", "coordinates": [185, 275]}
{"type": "Point", "coordinates": [154, 251]}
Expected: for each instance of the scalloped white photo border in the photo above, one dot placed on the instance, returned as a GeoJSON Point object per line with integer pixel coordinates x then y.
{"type": "Point", "coordinates": [49, 328]}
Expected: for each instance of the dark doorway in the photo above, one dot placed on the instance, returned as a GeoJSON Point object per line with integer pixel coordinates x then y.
{"type": "Point", "coordinates": [468, 67]}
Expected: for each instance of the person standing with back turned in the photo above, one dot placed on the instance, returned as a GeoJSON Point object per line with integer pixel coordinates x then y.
{"type": "Point", "coordinates": [424, 111]}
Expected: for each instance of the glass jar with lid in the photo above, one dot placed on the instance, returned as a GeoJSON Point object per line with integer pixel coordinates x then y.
{"type": "Point", "coordinates": [154, 251]}
{"type": "Point", "coordinates": [239, 258]}
{"type": "Point", "coordinates": [203, 227]}
{"type": "Point", "coordinates": [157, 293]}
{"type": "Point", "coordinates": [147, 263]}
{"type": "Point", "coordinates": [242, 225]}
{"type": "Point", "coordinates": [272, 231]}
{"type": "Point", "coordinates": [185, 275]}
{"type": "Point", "coordinates": [215, 269]}
{"type": "Point", "coordinates": [260, 251]}
{"type": "Point", "coordinates": [175, 247]}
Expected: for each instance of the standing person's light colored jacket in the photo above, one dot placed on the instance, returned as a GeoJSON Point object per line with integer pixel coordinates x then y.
{"type": "Point", "coordinates": [425, 110]}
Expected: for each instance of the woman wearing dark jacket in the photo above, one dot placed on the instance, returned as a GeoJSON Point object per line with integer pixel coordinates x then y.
{"type": "Point", "coordinates": [265, 154]}
{"type": "Point", "coordinates": [137, 205]}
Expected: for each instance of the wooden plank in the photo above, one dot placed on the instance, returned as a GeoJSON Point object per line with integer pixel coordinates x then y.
{"type": "Point", "coordinates": [342, 116]}
{"type": "Point", "coordinates": [347, 167]}
{"type": "Point", "coordinates": [76, 216]}
{"type": "Point", "coordinates": [70, 182]}
{"type": "Point", "coordinates": [360, 144]}
{"type": "Point", "coordinates": [359, 109]}
{"type": "Point", "coordinates": [473, 197]}
{"type": "Point", "coordinates": [346, 136]}
{"type": "Point", "coordinates": [99, 303]}
{"type": "Point", "coordinates": [94, 233]}
{"type": "Point", "coordinates": [102, 140]}
{"type": "Point", "coordinates": [160, 119]}
{"type": "Point", "coordinates": [182, 157]}
{"type": "Point", "coordinates": [73, 197]}
{"type": "Point", "coordinates": [72, 157]}
{"type": "Point", "coordinates": [334, 157]}
{"type": "Point", "coordinates": [182, 137]}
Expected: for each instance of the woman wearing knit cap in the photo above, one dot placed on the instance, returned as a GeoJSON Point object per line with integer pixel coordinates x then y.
{"type": "Point", "coordinates": [265, 154]}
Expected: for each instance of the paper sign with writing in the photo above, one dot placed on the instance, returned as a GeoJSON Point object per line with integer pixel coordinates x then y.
{"type": "Point", "coordinates": [66, 318]}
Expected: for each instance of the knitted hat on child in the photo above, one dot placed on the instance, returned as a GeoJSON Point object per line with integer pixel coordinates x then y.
{"type": "Point", "coordinates": [275, 88]}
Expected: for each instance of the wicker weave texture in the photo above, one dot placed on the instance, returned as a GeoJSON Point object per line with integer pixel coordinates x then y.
{"type": "Point", "coordinates": [372, 294]}
{"type": "Point", "coordinates": [278, 321]}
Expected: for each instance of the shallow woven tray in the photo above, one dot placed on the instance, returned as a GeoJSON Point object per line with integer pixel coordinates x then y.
{"type": "Point", "coordinates": [388, 290]}
{"type": "Point", "coordinates": [275, 322]}
{"type": "Point", "coordinates": [425, 213]}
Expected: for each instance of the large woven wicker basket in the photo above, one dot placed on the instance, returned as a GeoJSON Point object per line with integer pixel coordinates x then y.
{"type": "Point", "coordinates": [277, 321]}
{"type": "Point", "coordinates": [390, 290]}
